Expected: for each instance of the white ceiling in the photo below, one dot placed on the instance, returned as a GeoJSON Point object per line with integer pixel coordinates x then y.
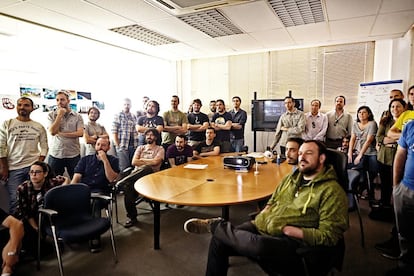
{"type": "Point", "coordinates": [346, 21]}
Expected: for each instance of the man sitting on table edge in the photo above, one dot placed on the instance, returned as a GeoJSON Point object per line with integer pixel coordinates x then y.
{"type": "Point", "coordinates": [147, 159]}
{"type": "Point", "coordinates": [308, 207]}
{"type": "Point", "coordinates": [11, 240]}
{"type": "Point", "coordinates": [210, 147]}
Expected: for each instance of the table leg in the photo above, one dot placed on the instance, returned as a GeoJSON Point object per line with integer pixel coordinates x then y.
{"type": "Point", "coordinates": [225, 212]}
{"type": "Point", "coordinates": [157, 215]}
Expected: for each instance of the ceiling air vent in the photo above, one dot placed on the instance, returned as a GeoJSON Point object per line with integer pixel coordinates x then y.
{"type": "Point", "coordinates": [181, 7]}
{"type": "Point", "coordinates": [211, 22]}
{"type": "Point", "coordinates": [142, 34]}
{"type": "Point", "coordinates": [298, 12]}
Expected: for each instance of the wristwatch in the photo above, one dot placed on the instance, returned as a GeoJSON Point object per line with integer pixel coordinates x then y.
{"type": "Point", "coordinates": [12, 253]}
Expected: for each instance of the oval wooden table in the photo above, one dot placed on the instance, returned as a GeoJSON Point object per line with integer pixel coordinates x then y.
{"type": "Point", "coordinates": [214, 185]}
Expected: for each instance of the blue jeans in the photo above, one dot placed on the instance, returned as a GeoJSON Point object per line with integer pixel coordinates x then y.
{"type": "Point", "coordinates": [58, 165]}
{"type": "Point", "coordinates": [237, 144]}
{"type": "Point", "coordinates": [16, 177]}
{"type": "Point", "coordinates": [125, 156]}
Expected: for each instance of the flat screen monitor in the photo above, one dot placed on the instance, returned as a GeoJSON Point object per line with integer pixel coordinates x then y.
{"type": "Point", "coordinates": [266, 113]}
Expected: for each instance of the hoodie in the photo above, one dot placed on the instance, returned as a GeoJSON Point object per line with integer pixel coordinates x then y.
{"type": "Point", "coordinates": [319, 208]}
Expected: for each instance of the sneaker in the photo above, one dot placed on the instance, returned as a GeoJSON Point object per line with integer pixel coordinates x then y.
{"type": "Point", "coordinates": [388, 245]}
{"type": "Point", "coordinates": [392, 255]}
{"type": "Point", "coordinates": [130, 223]}
{"type": "Point", "coordinates": [95, 245]}
{"type": "Point", "coordinates": [200, 226]}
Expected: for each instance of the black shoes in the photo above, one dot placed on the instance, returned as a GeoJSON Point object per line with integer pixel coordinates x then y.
{"type": "Point", "coordinates": [130, 222]}
{"type": "Point", "coordinates": [390, 249]}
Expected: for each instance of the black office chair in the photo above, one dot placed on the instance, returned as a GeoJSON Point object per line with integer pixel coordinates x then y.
{"type": "Point", "coordinates": [129, 177]}
{"type": "Point", "coordinates": [66, 216]}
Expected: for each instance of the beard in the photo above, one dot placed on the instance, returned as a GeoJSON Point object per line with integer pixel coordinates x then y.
{"type": "Point", "coordinates": [309, 170]}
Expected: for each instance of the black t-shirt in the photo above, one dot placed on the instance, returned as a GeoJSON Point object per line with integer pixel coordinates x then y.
{"type": "Point", "coordinates": [197, 119]}
{"type": "Point", "coordinates": [203, 147]}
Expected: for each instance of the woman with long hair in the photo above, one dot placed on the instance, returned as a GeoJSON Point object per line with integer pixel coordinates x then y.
{"type": "Point", "coordinates": [386, 148]}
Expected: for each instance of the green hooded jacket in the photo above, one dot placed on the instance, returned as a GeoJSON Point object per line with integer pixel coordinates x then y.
{"type": "Point", "coordinates": [319, 208]}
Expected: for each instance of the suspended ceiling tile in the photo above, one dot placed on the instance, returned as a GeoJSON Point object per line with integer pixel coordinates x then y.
{"type": "Point", "coordinates": [241, 42]}
{"type": "Point", "coordinates": [270, 38]}
{"type": "Point", "coordinates": [136, 10]}
{"type": "Point", "coordinates": [396, 5]}
{"type": "Point", "coordinates": [351, 28]}
{"type": "Point", "coordinates": [310, 33]}
{"type": "Point", "coordinates": [341, 9]}
{"type": "Point", "coordinates": [255, 16]}
{"type": "Point", "coordinates": [84, 12]}
{"type": "Point", "coordinates": [393, 23]}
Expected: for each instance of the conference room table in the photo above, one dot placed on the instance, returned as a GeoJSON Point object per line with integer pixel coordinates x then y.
{"type": "Point", "coordinates": [207, 182]}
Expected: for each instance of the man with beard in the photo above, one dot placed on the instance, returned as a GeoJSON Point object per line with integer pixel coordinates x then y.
{"type": "Point", "coordinates": [292, 150]}
{"type": "Point", "coordinates": [147, 159]}
{"type": "Point", "coordinates": [175, 123]}
{"type": "Point", "coordinates": [291, 124]}
{"type": "Point", "coordinates": [150, 120]}
{"type": "Point", "coordinates": [97, 171]}
{"type": "Point", "coordinates": [222, 123]}
{"type": "Point", "coordinates": [65, 126]}
{"type": "Point", "coordinates": [307, 208]}
{"type": "Point", "coordinates": [93, 130]}
{"type": "Point", "coordinates": [180, 152]}
{"type": "Point", "coordinates": [22, 142]}
{"type": "Point", "coordinates": [339, 124]}
{"type": "Point", "coordinates": [124, 135]}
{"type": "Point", "coordinates": [198, 122]}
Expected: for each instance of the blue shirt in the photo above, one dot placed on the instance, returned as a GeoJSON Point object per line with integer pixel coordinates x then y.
{"type": "Point", "coordinates": [406, 141]}
{"type": "Point", "coordinates": [93, 172]}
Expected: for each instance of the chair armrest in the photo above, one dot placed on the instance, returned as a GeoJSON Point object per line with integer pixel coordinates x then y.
{"type": "Point", "coordinates": [101, 196]}
{"type": "Point", "coordinates": [48, 212]}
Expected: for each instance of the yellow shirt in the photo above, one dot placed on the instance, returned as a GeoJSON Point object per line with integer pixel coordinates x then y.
{"type": "Point", "coordinates": [404, 118]}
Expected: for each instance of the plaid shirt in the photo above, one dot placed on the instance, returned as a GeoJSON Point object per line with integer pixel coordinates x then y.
{"type": "Point", "coordinates": [124, 126]}
{"type": "Point", "coordinates": [27, 197]}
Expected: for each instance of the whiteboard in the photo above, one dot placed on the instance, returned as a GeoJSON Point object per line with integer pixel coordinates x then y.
{"type": "Point", "coordinates": [376, 95]}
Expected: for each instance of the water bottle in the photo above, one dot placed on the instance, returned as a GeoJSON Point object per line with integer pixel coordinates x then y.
{"type": "Point", "coordinates": [278, 159]}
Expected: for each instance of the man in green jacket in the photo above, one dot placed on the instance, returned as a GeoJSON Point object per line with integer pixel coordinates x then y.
{"type": "Point", "coordinates": [307, 208]}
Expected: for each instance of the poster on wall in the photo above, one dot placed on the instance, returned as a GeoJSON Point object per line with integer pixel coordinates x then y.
{"type": "Point", "coordinates": [8, 102]}
{"type": "Point", "coordinates": [46, 99]}
{"type": "Point", "coordinates": [376, 95]}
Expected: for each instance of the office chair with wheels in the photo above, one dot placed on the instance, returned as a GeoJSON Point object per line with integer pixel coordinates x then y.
{"type": "Point", "coordinates": [66, 216]}
{"type": "Point", "coordinates": [348, 179]}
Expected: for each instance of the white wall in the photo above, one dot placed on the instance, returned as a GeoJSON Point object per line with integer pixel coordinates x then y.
{"type": "Point", "coordinates": [60, 61]}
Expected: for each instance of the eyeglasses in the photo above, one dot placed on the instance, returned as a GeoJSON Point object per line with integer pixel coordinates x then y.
{"type": "Point", "coordinates": [313, 125]}
{"type": "Point", "coordinates": [35, 172]}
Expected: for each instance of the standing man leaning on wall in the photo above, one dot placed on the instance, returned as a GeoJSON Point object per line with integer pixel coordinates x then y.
{"type": "Point", "coordinates": [65, 126]}
{"type": "Point", "coordinates": [221, 122]}
{"type": "Point", "coordinates": [175, 123]}
{"type": "Point", "coordinates": [124, 135]}
{"type": "Point", "coordinates": [22, 142]}
{"type": "Point", "coordinates": [339, 124]}
{"type": "Point", "coordinates": [290, 124]}
{"type": "Point", "coordinates": [239, 118]}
